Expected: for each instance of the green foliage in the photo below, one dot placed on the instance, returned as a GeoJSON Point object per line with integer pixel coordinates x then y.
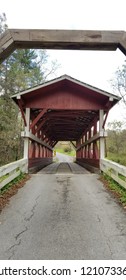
{"type": "Point", "coordinates": [70, 153]}
{"type": "Point", "coordinates": [24, 69]}
{"type": "Point", "coordinates": [12, 183]}
{"type": "Point", "coordinates": [116, 142]}
{"type": "Point", "coordinates": [11, 143]}
{"type": "Point", "coordinates": [65, 148]}
{"type": "Point", "coordinates": [4, 177]}
{"type": "Point", "coordinates": [116, 137]}
{"type": "Point", "coordinates": [119, 191]}
{"type": "Point", "coordinates": [121, 158]}
{"type": "Point", "coordinates": [19, 72]}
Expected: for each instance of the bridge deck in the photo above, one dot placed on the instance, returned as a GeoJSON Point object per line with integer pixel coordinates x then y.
{"type": "Point", "coordinates": [63, 168]}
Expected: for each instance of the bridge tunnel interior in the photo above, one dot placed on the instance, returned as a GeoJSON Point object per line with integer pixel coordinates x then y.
{"type": "Point", "coordinates": [64, 109]}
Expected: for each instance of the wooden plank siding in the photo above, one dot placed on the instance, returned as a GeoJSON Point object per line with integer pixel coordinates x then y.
{"type": "Point", "coordinates": [36, 164]}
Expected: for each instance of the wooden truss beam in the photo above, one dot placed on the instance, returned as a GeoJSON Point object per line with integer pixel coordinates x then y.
{"type": "Point", "coordinates": [40, 125]}
{"type": "Point", "coordinates": [22, 112]}
{"type": "Point", "coordinates": [55, 142]}
{"type": "Point", "coordinates": [39, 116]}
{"type": "Point", "coordinates": [73, 144]}
{"type": "Point", "coordinates": [61, 39]}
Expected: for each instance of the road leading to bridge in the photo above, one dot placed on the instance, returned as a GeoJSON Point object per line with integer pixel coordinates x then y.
{"type": "Point", "coordinates": [63, 215]}
{"type": "Point", "coordinates": [64, 158]}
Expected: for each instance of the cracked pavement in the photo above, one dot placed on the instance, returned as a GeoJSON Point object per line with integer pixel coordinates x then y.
{"type": "Point", "coordinates": [63, 215]}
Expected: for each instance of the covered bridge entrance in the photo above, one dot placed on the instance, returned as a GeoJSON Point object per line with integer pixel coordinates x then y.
{"type": "Point", "coordinates": [64, 109]}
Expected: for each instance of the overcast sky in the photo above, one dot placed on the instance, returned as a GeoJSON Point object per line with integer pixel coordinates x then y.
{"type": "Point", "coordinates": [93, 67]}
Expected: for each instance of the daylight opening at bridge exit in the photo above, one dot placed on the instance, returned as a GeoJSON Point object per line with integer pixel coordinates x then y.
{"type": "Point", "coordinates": [64, 109]}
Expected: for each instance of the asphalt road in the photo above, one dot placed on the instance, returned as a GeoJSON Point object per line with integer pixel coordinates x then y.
{"type": "Point", "coordinates": [63, 215]}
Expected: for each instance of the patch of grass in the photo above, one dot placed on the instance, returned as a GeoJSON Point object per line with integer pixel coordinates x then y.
{"type": "Point", "coordinates": [69, 153]}
{"type": "Point", "coordinates": [122, 177]}
{"type": "Point", "coordinates": [13, 182]}
{"type": "Point", "coordinates": [2, 178]}
{"type": "Point", "coordinates": [11, 189]}
{"type": "Point", "coordinates": [60, 150]}
{"type": "Point", "coordinates": [118, 191]}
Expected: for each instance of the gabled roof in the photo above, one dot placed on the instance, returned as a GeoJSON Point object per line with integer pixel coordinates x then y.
{"type": "Point", "coordinates": [68, 78]}
{"type": "Point", "coordinates": [70, 106]}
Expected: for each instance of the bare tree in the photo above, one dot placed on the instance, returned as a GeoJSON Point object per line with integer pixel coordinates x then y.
{"type": "Point", "coordinates": [119, 82]}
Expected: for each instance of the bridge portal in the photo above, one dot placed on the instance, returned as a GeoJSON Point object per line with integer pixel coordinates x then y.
{"type": "Point", "coordinates": [64, 109]}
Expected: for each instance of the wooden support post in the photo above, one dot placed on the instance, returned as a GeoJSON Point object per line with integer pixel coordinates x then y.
{"type": "Point", "coordinates": [47, 153]}
{"type": "Point", "coordinates": [95, 146]}
{"type": "Point", "coordinates": [101, 130]}
{"type": "Point", "coordinates": [26, 140]}
{"type": "Point", "coordinates": [85, 146]}
{"type": "Point", "coordinates": [77, 150]}
{"type": "Point", "coordinates": [89, 146]}
{"type": "Point", "coordinates": [42, 152]}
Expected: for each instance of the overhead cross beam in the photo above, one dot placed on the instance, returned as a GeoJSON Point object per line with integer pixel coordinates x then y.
{"type": "Point", "coordinates": [61, 39]}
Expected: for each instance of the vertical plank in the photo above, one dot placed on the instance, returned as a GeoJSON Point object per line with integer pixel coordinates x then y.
{"type": "Point", "coordinates": [26, 140]}
{"type": "Point", "coordinates": [102, 140]}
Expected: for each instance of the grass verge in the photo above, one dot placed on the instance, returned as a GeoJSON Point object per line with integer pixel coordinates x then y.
{"type": "Point", "coordinates": [118, 191]}
{"type": "Point", "coordinates": [11, 189]}
{"type": "Point", "coordinates": [69, 153]}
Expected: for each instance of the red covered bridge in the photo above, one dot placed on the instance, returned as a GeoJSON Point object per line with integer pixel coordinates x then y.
{"type": "Point", "coordinates": [64, 109]}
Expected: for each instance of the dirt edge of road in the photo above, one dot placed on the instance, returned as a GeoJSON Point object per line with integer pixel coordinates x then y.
{"type": "Point", "coordinates": [115, 193]}
{"type": "Point", "coordinates": [5, 197]}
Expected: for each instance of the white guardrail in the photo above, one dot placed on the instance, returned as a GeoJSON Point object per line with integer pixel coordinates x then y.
{"type": "Point", "coordinates": [116, 171]}
{"type": "Point", "coordinates": [12, 170]}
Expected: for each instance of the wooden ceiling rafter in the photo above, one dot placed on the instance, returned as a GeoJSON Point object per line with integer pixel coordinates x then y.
{"type": "Point", "coordinates": [56, 124]}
